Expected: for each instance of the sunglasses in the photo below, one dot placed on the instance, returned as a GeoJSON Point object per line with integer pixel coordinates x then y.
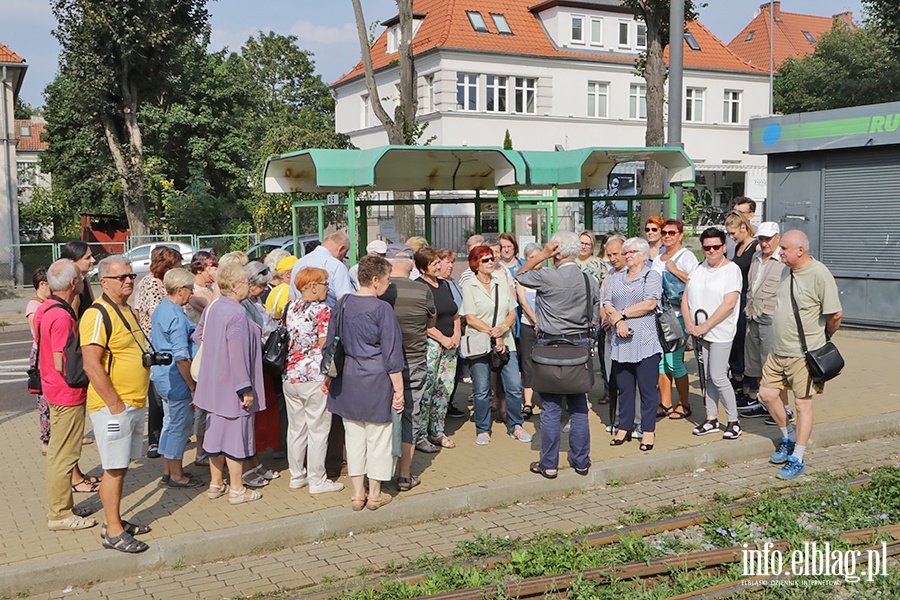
{"type": "Point", "coordinates": [487, 259]}
{"type": "Point", "coordinates": [122, 277]}
{"type": "Point", "coordinates": [649, 229]}
{"type": "Point", "coordinates": [713, 247]}
{"type": "Point", "coordinates": [670, 232]}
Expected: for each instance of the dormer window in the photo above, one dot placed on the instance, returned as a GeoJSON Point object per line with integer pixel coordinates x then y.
{"type": "Point", "coordinates": [393, 39]}
{"type": "Point", "coordinates": [477, 22]}
{"type": "Point", "coordinates": [749, 36]}
{"type": "Point", "coordinates": [25, 131]}
{"type": "Point", "coordinates": [577, 30]}
{"type": "Point", "coordinates": [809, 37]}
{"type": "Point", "coordinates": [691, 41]}
{"type": "Point", "coordinates": [501, 24]}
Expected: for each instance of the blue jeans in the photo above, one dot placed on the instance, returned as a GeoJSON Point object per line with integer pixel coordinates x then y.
{"type": "Point", "coordinates": [579, 434]}
{"type": "Point", "coordinates": [178, 419]}
{"type": "Point", "coordinates": [481, 390]}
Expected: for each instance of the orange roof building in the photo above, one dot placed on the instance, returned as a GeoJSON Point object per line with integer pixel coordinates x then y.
{"type": "Point", "coordinates": [795, 34]}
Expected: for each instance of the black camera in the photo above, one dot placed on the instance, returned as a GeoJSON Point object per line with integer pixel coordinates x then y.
{"type": "Point", "coordinates": [156, 359]}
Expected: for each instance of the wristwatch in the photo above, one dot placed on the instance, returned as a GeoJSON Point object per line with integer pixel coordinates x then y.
{"type": "Point", "coordinates": [623, 314]}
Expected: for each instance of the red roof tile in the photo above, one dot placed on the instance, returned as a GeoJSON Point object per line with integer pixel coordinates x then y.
{"type": "Point", "coordinates": [790, 41]}
{"type": "Point", "coordinates": [32, 142]}
{"type": "Point", "coordinates": [446, 25]}
{"type": "Point", "coordinates": [8, 56]}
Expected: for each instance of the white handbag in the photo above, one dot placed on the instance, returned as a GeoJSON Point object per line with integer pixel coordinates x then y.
{"type": "Point", "coordinates": [475, 345]}
{"type": "Point", "coordinates": [195, 363]}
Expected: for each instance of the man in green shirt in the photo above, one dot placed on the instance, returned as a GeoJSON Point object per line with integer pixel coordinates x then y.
{"type": "Point", "coordinates": [819, 307]}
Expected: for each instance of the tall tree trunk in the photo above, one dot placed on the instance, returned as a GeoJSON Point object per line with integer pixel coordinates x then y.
{"type": "Point", "coordinates": [655, 76]}
{"type": "Point", "coordinates": [129, 166]}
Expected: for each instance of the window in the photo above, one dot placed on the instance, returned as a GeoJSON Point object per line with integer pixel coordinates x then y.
{"type": "Point", "coordinates": [495, 94]}
{"type": "Point", "coordinates": [749, 36]}
{"type": "Point", "coordinates": [477, 22]}
{"type": "Point", "coordinates": [809, 37]}
{"type": "Point", "coordinates": [525, 95]}
{"type": "Point", "coordinates": [597, 32]}
{"type": "Point", "coordinates": [501, 24]}
{"type": "Point", "coordinates": [641, 35]}
{"type": "Point", "coordinates": [731, 112]}
{"type": "Point", "coordinates": [393, 39]}
{"type": "Point", "coordinates": [364, 111]}
{"type": "Point", "coordinates": [624, 30]}
{"type": "Point", "coordinates": [25, 173]}
{"type": "Point", "coordinates": [597, 98]}
{"type": "Point", "coordinates": [637, 101]}
{"type": "Point", "coordinates": [577, 30]}
{"type": "Point", "coordinates": [429, 94]}
{"type": "Point", "coordinates": [693, 105]}
{"type": "Point", "coordinates": [24, 131]}
{"type": "Point", "coordinates": [691, 41]}
{"type": "Point", "coordinates": [466, 91]}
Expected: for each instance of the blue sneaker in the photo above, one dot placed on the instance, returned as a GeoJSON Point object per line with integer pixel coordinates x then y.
{"type": "Point", "coordinates": [784, 450]}
{"type": "Point", "coordinates": [792, 469]}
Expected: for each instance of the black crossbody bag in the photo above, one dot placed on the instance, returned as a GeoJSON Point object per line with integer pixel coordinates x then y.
{"type": "Point", "coordinates": [824, 363]}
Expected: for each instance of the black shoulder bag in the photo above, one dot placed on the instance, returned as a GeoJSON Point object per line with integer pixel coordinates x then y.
{"type": "Point", "coordinates": [824, 363]}
{"type": "Point", "coordinates": [276, 347]}
{"type": "Point", "coordinates": [562, 366]}
{"type": "Point", "coordinates": [497, 359]}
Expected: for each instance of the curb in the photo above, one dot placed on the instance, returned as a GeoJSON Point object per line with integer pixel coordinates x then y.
{"type": "Point", "coordinates": [103, 565]}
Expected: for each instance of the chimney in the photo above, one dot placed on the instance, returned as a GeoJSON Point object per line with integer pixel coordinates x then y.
{"type": "Point", "coordinates": [776, 11]}
{"type": "Point", "coordinates": [845, 17]}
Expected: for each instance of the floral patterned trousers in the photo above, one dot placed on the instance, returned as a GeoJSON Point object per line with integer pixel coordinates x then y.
{"type": "Point", "coordinates": [438, 387]}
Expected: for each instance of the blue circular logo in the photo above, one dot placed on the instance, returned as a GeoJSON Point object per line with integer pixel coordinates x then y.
{"type": "Point", "coordinates": [772, 134]}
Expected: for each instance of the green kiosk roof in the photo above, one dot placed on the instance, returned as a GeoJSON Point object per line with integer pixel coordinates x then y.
{"type": "Point", "coordinates": [421, 168]}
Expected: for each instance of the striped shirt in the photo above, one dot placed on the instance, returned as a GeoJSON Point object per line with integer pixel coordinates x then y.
{"type": "Point", "coordinates": [621, 294]}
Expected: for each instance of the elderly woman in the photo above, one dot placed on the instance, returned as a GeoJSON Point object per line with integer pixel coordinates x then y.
{"type": "Point", "coordinates": [489, 307]}
{"type": "Point", "coordinates": [653, 235]}
{"type": "Point", "coordinates": [509, 253]}
{"type": "Point", "coordinates": [280, 294]}
{"type": "Point", "coordinates": [587, 259]}
{"type": "Point", "coordinates": [710, 305]}
{"type": "Point", "coordinates": [148, 293]}
{"type": "Point", "coordinates": [308, 418]}
{"type": "Point", "coordinates": [674, 264]}
{"type": "Point", "coordinates": [172, 332]}
{"type": "Point", "coordinates": [271, 261]}
{"type": "Point", "coordinates": [204, 267]}
{"type": "Point", "coordinates": [449, 261]}
{"type": "Point", "coordinates": [230, 386]}
{"type": "Point", "coordinates": [743, 235]}
{"type": "Point", "coordinates": [370, 384]}
{"type": "Point", "coordinates": [528, 332]}
{"type": "Point", "coordinates": [443, 340]}
{"type": "Point", "coordinates": [629, 304]}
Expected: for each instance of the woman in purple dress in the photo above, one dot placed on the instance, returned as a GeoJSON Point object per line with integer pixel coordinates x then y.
{"type": "Point", "coordinates": [230, 386]}
{"type": "Point", "coordinates": [370, 384]}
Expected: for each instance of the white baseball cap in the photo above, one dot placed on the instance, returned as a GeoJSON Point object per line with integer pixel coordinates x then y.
{"type": "Point", "coordinates": [767, 229]}
{"type": "Point", "coordinates": [377, 247]}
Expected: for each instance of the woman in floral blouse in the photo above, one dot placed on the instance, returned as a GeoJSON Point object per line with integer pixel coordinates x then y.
{"type": "Point", "coordinates": [308, 418]}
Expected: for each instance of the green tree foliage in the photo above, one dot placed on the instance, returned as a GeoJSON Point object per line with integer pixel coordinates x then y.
{"type": "Point", "coordinates": [23, 110]}
{"type": "Point", "coordinates": [884, 16]}
{"type": "Point", "coordinates": [847, 68]}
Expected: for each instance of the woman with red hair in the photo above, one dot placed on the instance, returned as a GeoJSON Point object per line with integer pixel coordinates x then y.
{"type": "Point", "coordinates": [653, 235]}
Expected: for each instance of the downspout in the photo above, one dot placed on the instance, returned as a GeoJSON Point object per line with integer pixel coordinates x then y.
{"type": "Point", "coordinates": [11, 195]}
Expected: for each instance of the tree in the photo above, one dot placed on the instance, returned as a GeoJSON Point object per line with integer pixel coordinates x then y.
{"type": "Point", "coordinates": [847, 68]}
{"type": "Point", "coordinates": [884, 16]}
{"type": "Point", "coordinates": [117, 54]}
{"type": "Point", "coordinates": [23, 110]}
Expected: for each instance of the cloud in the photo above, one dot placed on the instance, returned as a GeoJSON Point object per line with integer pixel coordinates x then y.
{"type": "Point", "coordinates": [310, 33]}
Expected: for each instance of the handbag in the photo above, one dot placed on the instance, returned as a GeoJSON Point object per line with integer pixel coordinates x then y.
{"type": "Point", "coordinates": [562, 366]}
{"type": "Point", "coordinates": [824, 363]}
{"type": "Point", "coordinates": [496, 358]}
{"type": "Point", "coordinates": [276, 347]}
{"type": "Point", "coordinates": [668, 327]}
{"type": "Point", "coordinates": [333, 355]}
{"type": "Point", "coordinates": [475, 344]}
{"type": "Point", "coordinates": [195, 362]}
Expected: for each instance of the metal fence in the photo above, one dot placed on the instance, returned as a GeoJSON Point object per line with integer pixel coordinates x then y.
{"type": "Point", "coordinates": [18, 262]}
{"type": "Point", "coordinates": [138, 240]}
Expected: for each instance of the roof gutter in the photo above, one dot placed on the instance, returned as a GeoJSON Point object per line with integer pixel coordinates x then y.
{"type": "Point", "coordinates": [7, 168]}
{"type": "Point", "coordinates": [15, 65]}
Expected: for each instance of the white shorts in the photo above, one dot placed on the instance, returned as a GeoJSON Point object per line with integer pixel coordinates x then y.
{"type": "Point", "coordinates": [120, 438]}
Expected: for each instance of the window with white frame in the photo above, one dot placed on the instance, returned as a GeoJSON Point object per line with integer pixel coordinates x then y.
{"type": "Point", "coordinates": [637, 101]}
{"type": "Point", "coordinates": [495, 94]}
{"type": "Point", "coordinates": [693, 105]}
{"type": "Point", "coordinates": [501, 24]}
{"type": "Point", "coordinates": [597, 32]}
{"type": "Point", "coordinates": [731, 112]}
{"type": "Point", "coordinates": [477, 21]}
{"type": "Point", "coordinates": [577, 30]}
{"type": "Point", "coordinates": [364, 111]}
{"type": "Point", "coordinates": [625, 34]}
{"type": "Point", "coordinates": [393, 39]}
{"type": "Point", "coordinates": [641, 39]}
{"type": "Point", "coordinates": [466, 91]}
{"type": "Point", "coordinates": [597, 98]}
{"type": "Point", "coordinates": [429, 94]}
{"type": "Point", "coordinates": [525, 101]}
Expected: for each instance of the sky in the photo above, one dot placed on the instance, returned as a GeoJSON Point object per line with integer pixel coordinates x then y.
{"type": "Point", "coordinates": [326, 29]}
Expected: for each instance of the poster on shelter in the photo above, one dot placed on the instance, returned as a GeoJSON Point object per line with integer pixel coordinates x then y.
{"type": "Point", "coordinates": [611, 214]}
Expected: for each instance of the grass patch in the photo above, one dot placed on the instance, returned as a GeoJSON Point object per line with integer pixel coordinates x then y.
{"type": "Point", "coordinates": [635, 515]}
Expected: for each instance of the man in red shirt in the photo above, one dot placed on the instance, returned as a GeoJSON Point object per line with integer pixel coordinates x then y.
{"type": "Point", "coordinates": [55, 323]}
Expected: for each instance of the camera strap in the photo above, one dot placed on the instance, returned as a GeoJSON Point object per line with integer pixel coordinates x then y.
{"type": "Point", "coordinates": [128, 326]}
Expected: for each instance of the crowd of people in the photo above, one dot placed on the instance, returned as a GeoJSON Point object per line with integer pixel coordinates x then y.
{"type": "Point", "coordinates": [372, 359]}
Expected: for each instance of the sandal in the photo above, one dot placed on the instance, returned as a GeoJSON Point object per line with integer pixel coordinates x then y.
{"type": "Point", "coordinates": [252, 479]}
{"type": "Point", "coordinates": [130, 529]}
{"type": "Point", "coordinates": [536, 467]}
{"type": "Point", "coordinates": [236, 497]}
{"type": "Point", "coordinates": [216, 491]}
{"type": "Point", "coordinates": [527, 410]}
{"type": "Point", "coordinates": [202, 461]}
{"type": "Point", "coordinates": [357, 504]}
{"type": "Point", "coordinates": [189, 483]}
{"type": "Point", "coordinates": [383, 499]}
{"type": "Point", "coordinates": [706, 427]}
{"type": "Point", "coordinates": [444, 442]}
{"type": "Point", "coordinates": [427, 447]}
{"type": "Point", "coordinates": [404, 484]}
{"type": "Point", "coordinates": [123, 543]}
{"type": "Point", "coordinates": [92, 486]}
{"type": "Point", "coordinates": [683, 414]}
{"type": "Point", "coordinates": [267, 474]}
{"type": "Point", "coordinates": [663, 411]}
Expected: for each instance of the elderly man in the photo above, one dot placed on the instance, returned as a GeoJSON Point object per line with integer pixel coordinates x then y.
{"type": "Point", "coordinates": [617, 261]}
{"type": "Point", "coordinates": [414, 306]}
{"type": "Point", "coordinates": [373, 248]}
{"type": "Point", "coordinates": [473, 242]}
{"type": "Point", "coordinates": [819, 308]}
{"type": "Point", "coordinates": [766, 274]}
{"type": "Point", "coordinates": [112, 344]}
{"type": "Point", "coordinates": [329, 256]}
{"type": "Point", "coordinates": [54, 329]}
{"type": "Point", "coordinates": [563, 311]}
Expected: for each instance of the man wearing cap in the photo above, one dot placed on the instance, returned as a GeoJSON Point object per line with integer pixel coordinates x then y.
{"type": "Point", "coordinates": [766, 274]}
{"type": "Point", "coordinates": [280, 293]}
{"type": "Point", "coordinates": [414, 306]}
{"type": "Point", "coordinates": [374, 248]}
{"type": "Point", "coordinates": [329, 256]}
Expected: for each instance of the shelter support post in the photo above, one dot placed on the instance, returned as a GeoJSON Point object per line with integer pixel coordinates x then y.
{"type": "Point", "coordinates": [478, 212]}
{"type": "Point", "coordinates": [588, 213]}
{"type": "Point", "coordinates": [554, 221]}
{"type": "Point", "coordinates": [320, 214]}
{"type": "Point", "coordinates": [501, 227]}
{"type": "Point", "coordinates": [352, 226]}
{"type": "Point", "coordinates": [295, 222]}
{"type": "Point", "coordinates": [428, 216]}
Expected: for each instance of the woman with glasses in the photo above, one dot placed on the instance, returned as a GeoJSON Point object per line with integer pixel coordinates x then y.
{"type": "Point", "coordinates": [171, 333]}
{"type": "Point", "coordinates": [483, 293]}
{"type": "Point", "coordinates": [653, 235]}
{"type": "Point", "coordinates": [674, 264]}
{"type": "Point", "coordinates": [710, 308]}
{"type": "Point", "coordinates": [587, 259]}
{"type": "Point", "coordinates": [629, 304]}
{"type": "Point", "coordinates": [743, 235]}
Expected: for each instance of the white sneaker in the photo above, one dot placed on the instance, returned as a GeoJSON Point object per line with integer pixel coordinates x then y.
{"type": "Point", "coordinates": [298, 483]}
{"type": "Point", "coordinates": [328, 486]}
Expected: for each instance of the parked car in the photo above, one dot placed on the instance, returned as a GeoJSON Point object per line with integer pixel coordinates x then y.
{"type": "Point", "coordinates": [307, 245]}
{"type": "Point", "coordinates": [140, 256]}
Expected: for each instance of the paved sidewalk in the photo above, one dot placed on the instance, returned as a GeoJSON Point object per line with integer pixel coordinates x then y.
{"type": "Point", "coordinates": [304, 566]}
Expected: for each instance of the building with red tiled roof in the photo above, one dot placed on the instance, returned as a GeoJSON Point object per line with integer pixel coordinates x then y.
{"type": "Point", "coordinates": [29, 146]}
{"type": "Point", "coordinates": [795, 34]}
{"type": "Point", "coordinates": [12, 73]}
{"type": "Point", "coordinates": [559, 73]}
